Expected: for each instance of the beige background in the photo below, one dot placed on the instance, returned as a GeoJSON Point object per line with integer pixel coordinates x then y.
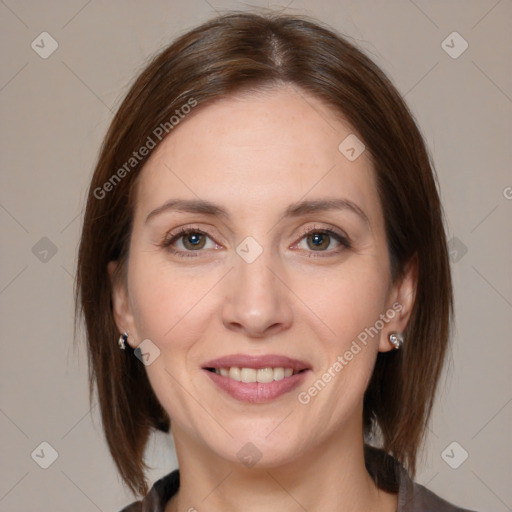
{"type": "Point", "coordinates": [54, 114]}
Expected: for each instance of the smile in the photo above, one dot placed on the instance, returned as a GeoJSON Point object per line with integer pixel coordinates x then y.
{"type": "Point", "coordinates": [256, 379]}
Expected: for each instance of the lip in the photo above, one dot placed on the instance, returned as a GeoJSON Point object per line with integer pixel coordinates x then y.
{"type": "Point", "coordinates": [257, 392]}
{"type": "Point", "coordinates": [257, 362]}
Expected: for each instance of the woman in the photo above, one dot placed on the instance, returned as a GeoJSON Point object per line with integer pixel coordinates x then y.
{"type": "Point", "coordinates": [263, 267]}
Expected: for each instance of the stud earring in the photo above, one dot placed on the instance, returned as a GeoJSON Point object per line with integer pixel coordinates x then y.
{"type": "Point", "coordinates": [396, 339]}
{"type": "Point", "coordinates": [122, 340]}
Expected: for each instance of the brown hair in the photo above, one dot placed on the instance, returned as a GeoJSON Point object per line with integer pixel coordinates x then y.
{"type": "Point", "coordinates": [238, 52]}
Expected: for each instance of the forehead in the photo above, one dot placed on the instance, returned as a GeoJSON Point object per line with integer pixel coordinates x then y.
{"type": "Point", "coordinates": [258, 149]}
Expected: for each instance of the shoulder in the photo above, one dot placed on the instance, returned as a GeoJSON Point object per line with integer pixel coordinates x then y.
{"type": "Point", "coordinates": [158, 496]}
{"type": "Point", "coordinates": [136, 506]}
{"type": "Point", "coordinates": [413, 497]}
{"type": "Point", "coordinates": [391, 477]}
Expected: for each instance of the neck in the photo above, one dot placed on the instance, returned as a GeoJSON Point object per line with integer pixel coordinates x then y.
{"type": "Point", "coordinates": [330, 477]}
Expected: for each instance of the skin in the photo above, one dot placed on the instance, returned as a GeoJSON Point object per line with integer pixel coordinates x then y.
{"type": "Point", "coordinates": [254, 155]}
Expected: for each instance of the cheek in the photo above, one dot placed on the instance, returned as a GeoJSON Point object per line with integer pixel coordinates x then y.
{"type": "Point", "coordinates": [173, 310]}
{"type": "Point", "coordinates": [350, 308]}
{"type": "Point", "coordinates": [347, 300]}
{"type": "Point", "coordinates": [166, 303]}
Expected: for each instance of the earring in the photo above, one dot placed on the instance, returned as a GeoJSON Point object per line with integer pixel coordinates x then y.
{"type": "Point", "coordinates": [122, 340]}
{"type": "Point", "coordinates": [396, 339]}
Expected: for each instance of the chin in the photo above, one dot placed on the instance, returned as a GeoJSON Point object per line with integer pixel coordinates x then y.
{"type": "Point", "coordinates": [257, 448]}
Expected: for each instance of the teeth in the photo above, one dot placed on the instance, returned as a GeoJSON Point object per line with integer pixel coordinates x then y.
{"type": "Point", "coordinates": [234, 373]}
{"type": "Point", "coordinates": [249, 374]}
{"type": "Point", "coordinates": [279, 373]}
{"type": "Point", "coordinates": [262, 375]}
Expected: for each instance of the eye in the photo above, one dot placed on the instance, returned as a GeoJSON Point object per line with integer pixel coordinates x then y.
{"type": "Point", "coordinates": [188, 240]}
{"type": "Point", "coordinates": [323, 240]}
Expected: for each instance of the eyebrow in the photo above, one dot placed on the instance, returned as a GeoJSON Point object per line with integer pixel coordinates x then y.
{"type": "Point", "coordinates": [294, 210]}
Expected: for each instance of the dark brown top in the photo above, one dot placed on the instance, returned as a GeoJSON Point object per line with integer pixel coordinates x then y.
{"type": "Point", "coordinates": [386, 472]}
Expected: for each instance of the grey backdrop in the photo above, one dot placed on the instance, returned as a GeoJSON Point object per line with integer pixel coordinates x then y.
{"type": "Point", "coordinates": [56, 103]}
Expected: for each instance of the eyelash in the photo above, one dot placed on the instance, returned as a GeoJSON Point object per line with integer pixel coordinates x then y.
{"type": "Point", "coordinates": [170, 238]}
{"type": "Point", "coordinates": [341, 239]}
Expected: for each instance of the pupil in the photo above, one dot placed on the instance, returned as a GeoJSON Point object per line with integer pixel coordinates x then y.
{"type": "Point", "coordinates": [319, 240]}
{"type": "Point", "coordinates": [194, 238]}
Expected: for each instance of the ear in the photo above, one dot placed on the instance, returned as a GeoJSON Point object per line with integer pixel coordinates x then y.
{"type": "Point", "coordinates": [400, 304]}
{"type": "Point", "coordinates": [121, 309]}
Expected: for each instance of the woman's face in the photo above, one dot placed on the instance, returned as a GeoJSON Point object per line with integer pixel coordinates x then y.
{"type": "Point", "coordinates": [284, 265]}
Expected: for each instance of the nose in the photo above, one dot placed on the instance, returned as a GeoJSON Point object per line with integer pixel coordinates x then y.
{"type": "Point", "coordinates": [257, 301]}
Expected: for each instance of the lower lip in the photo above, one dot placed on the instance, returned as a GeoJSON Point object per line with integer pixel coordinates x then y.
{"type": "Point", "coordinates": [257, 392]}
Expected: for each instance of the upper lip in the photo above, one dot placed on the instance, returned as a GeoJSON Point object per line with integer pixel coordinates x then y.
{"type": "Point", "coordinates": [257, 362]}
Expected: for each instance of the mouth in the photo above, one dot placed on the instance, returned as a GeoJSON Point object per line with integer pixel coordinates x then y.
{"type": "Point", "coordinates": [256, 379]}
